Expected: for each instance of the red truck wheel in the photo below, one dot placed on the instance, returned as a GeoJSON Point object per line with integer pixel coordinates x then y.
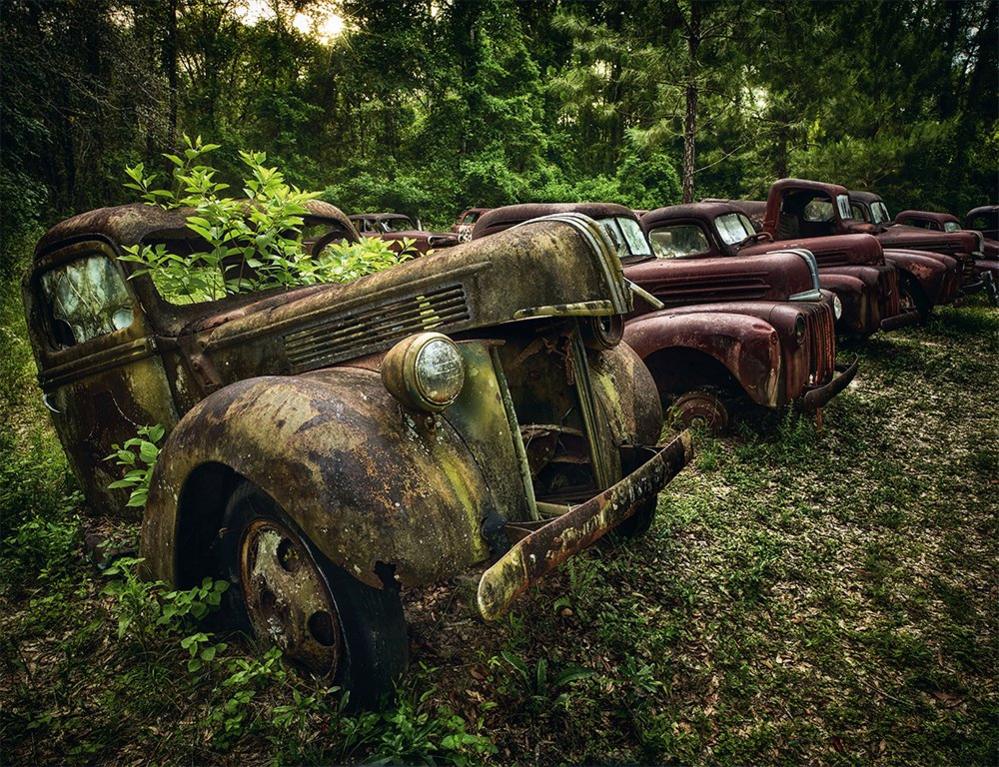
{"type": "Point", "coordinates": [698, 409]}
{"type": "Point", "coordinates": [325, 622]}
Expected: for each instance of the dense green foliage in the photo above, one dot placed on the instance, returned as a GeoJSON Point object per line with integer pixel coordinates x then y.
{"type": "Point", "coordinates": [427, 108]}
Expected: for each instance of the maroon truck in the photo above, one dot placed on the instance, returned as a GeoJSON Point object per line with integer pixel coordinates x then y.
{"type": "Point", "coordinates": [799, 210]}
{"type": "Point", "coordinates": [984, 219]}
{"type": "Point", "coordinates": [852, 267]}
{"type": "Point", "coordinates": [396, 228]}
{"type": "Point", "coordinates": [736, 330]}
{"type": "Point", "coordinates": [965, 248]}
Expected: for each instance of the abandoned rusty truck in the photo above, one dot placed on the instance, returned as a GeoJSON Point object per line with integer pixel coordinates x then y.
{"type": "Point", "coordinates": [932, 234]}
{"type": "Point", "coordinates": [738, 331]}
{"type": "Point", "coordinates": [853, 268]}
{"type": "Point", "coordinates": [330, 444]}
{"type": "Point", "coordinates": [798, 211]}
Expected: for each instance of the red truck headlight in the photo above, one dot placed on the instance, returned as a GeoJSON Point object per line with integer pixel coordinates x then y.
{"type": "Point", "coordinates": [799, 328]}
{"type": "Point", "coordinates": [425, 371]}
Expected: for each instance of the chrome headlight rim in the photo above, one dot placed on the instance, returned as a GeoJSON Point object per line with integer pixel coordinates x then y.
{"type": "Point", "coordinates": [837, 307]}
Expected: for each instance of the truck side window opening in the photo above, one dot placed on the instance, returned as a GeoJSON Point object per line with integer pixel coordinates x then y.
{"type": "Point", "coordinates": [680, 241]}
{"type": "Point", "coordinates": [86, 299]}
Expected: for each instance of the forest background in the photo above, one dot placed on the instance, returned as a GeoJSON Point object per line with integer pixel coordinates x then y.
{"type": "Point", "coordinates": [430, 106]}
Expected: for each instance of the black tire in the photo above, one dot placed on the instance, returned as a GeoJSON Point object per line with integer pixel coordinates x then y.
{"type": "Point", "coordinates": [912, 296]}
{"type": "Point", "coordinates": [361, 644]}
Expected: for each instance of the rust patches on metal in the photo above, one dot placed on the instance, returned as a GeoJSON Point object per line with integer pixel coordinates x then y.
{"type": "Point", "coordinates": [287, 598]}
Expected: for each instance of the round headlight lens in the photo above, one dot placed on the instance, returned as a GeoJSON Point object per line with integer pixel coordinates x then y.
{"type": "Point", "coordinates": [799, 328]}
{"type": "Point", "coordinates": [837, 307]}
{"type": "Point", "coordinates": [425, 371]}
{"type": "Point", "coordinates": [439, 371]}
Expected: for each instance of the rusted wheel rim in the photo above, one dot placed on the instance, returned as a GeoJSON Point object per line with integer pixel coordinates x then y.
{"type": "Point", "coordinates": [287, 598]}
{"type": "Point", "coordinates": [700, 409]}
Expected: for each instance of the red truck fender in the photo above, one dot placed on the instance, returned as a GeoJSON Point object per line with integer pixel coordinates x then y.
{"type": "Point", "coordinates": [929, 271]}
{"type": "Point", "coordinates": [689, 347]}
{"type": "Point", "coordinates": [853, 285]}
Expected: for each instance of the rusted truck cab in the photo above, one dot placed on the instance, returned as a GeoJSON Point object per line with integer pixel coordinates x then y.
{"type": "Point", "coordinates": [396, 228]}
{"type": "Point", "coordinates": [938, 233]}
{"type": "Point", "coordinates": [465, 222]}
{"type": "Point", "coordinates": [984, 219]}
{"type": "Point", "coordinates": [799, 209]}
{"type": "Point", "coordinates": [734, 331]}
{"type": "Point", "coordinates": [328, 445]}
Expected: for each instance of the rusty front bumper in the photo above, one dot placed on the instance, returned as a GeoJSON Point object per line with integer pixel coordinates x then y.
{"type": "Point", "coordinates": [820, 395]}
{"type": "Point", "coordinates": [535, 555]}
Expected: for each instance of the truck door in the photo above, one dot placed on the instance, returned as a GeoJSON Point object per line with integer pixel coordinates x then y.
{"type": "Point", "coordinates": [100, 372]}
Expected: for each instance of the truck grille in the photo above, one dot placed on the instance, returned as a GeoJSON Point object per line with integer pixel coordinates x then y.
{"type": "Point", "coordinates": [888, 292]}
{"type": "Point", "coordinates": [372, 328]}
{"type": "Point", "coordinates": [831, 257]}
{"type": "Point", "coordinates": [701, 289]}
{"type": "Point", "coordinates": [820, 335]}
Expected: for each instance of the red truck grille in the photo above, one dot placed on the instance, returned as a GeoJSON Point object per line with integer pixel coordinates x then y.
{"type": "Point", "coordinates": [888, 292]}
{"type": "Point", "coordinates": [832, 257]}
{"type": "Point", "coordinates": [820, 335]}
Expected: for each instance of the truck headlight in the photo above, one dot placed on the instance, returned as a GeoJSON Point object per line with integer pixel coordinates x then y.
{"type": "Point", "coordinates": [799, 328]}
{"type": "Point", "coordinates": [837, 307]}
{"type": "Point", "coordinates": [425, 371]}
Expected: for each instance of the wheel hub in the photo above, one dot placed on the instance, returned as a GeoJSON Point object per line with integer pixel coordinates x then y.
{"type": "Point", "coordinates": [287, 598]}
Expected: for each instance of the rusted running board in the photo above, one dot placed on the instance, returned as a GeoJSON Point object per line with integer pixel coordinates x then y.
{"type": "Point", "coordinates": [910, 317]}
{"type": "Point", "coordinates": [532, 557]}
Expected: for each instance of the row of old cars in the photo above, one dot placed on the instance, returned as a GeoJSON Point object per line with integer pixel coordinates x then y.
{"type": "Point", "coordinates": [499, 403]}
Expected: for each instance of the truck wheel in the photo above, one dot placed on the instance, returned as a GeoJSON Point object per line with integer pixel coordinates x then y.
{"type": "Point", "coordinates": [325, 622]}
{"type": "Point", "coordinates": [698, 409]}
{"type": "Point", "coordinates": [911, 296]}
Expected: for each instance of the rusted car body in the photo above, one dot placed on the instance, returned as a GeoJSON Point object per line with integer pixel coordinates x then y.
{"type": "Point", "coordinates": [466, 221]}
{"type": "Point", "coordinates": [396, 228]}
{"type": "Point", "coordinates": [984, 219]}
{"type": "Point", "coordinates": [736, 330]}
{"type": "Point", "coordinates": [852, 267]}
{"type": "Point", "coordinates": [921, 230]}
{"type": "Point", "coordinates": [334, 443]}
{"type": "Point", "coordinates": [800, 210]}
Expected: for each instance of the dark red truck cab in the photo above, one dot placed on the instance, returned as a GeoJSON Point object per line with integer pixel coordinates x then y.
{"type": "Point", "coordinates": [732, 330]}
{"type": "Point", "coordinates": [800, 209]}
{"type": "Point", "coordinates": [396, 228]}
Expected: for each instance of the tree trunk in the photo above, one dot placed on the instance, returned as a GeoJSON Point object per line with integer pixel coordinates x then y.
{"type": "Point", "coordinates": [170, 61]}
{"type": "Point", "coordinates": [690, 116]}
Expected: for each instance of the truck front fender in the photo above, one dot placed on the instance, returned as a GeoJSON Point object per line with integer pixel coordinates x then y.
{"type": "Point", "coordinates": [859, 298]}
{"type": "Point", "coordinates": [369, 484]}
{"type": "Point", "coordinates": [746, 347]}
{"type": "Point", "coordinates": [929, 270]}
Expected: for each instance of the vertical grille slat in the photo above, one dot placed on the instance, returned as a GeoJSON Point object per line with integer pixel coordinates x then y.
{"type": "Point", "coordinates": [362, 331]}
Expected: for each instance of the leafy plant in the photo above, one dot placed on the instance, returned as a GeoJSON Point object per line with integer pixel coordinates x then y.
{"type": "Point", "coordinates": [138, 456]}
{"type": "Point", "coordinates": [146, 607]}
{"type": "Point", "coordinates": [542, 688]}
